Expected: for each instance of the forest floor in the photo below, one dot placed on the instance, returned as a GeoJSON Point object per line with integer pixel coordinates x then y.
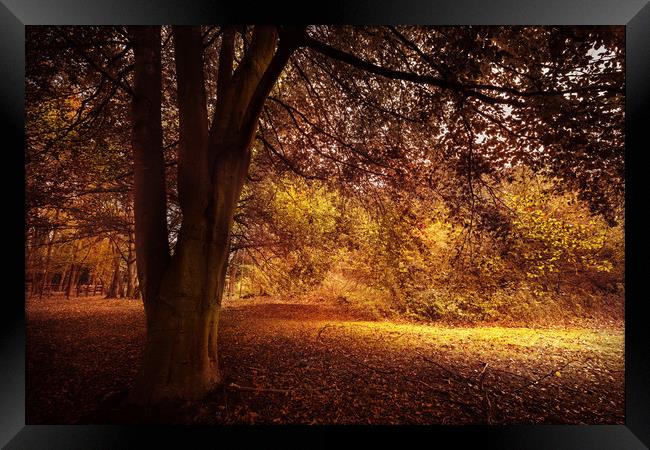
{"type": "Point", "coordinates": [290, 363]}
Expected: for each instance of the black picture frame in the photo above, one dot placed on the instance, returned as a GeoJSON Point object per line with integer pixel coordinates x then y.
{"type": "Point", "coordinates": [634, 14]}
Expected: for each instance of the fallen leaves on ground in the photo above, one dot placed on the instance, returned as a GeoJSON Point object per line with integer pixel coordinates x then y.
{"type": "Point", "coordinates": [289, 363]}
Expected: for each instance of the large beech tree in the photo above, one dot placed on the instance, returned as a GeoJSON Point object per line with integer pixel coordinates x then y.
{"type": "Point", "coordinates": [182, 293]}
{"type": "Point", "coordinates": [384, 107]}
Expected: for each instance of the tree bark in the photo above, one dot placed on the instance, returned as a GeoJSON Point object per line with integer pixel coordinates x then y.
{"type": "Point", "coordinates": [65, 287]}
{"type": "Point", "coordinates": [72, 280]}
{"type": "Point", "coordinates": [113, 288]}
{"type": "Point", "coordinates": [121, 288]}
{"type": "Point", "coordinates": [182, 294]}
{"type": "Point", "coordinates": [34, 261]}
{"type": "Point", "coordinates": [63, 278]}
{"type": "Point", "coordinates": [130, 269]}
{"type": "Point", "coordinates": [48, 257]}
{"type": "Point", "coordinates": [72, 271]}
{"type": "Point", "coordinates": [78, 281]}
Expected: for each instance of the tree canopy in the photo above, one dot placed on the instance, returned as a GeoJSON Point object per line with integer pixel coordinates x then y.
{"type": "Point", "coordinates": [388, 105]}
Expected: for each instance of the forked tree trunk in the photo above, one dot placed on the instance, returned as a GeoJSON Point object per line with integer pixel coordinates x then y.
{"type": "Point", "coordinates": [180, 358]}
{"type": "Point", "coordinates": [182, 294]}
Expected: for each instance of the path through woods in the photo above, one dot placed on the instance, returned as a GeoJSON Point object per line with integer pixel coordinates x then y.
{"type": "Point", "coordinates": [287, 363]}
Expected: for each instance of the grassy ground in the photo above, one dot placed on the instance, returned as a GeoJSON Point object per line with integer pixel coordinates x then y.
{"type": "Point", "coordinates": [314, 363]}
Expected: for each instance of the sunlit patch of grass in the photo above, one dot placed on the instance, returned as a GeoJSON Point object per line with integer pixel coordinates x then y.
{"type": "Point", "coordinates": [486, 342]}
{"type": "Point", "coordinates": [482, 338]}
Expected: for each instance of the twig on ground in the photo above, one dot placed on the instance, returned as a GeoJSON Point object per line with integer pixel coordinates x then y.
{"type": "Point", "coordinates": [323, 329]}
{"type": "Point", "coordinates": [483, 371]}
{"type": "Point", "coordinates": [446, 370]}
{"type": "Point", "coordinates": [533, 383]}
{"type": "Point", "coordinates": [488, 404]}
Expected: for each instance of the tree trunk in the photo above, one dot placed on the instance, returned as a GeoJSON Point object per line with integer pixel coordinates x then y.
{"type": "Point", "coordinates": [34, 259]}
{"type": "Point", "coordinates": [182, 294]}
{"type": "Point", "coordinates": [78, 282]}
{"type": "Point", "coordinates": [65, 288]}
{"type": "Point", "coordinates": [180, 359]}
{"type": "Point", "coordinates": [72, 279]}
{"type": "Point", "coordinates": [48, 257]}
{"type": "Point", "coordinates": [241, 279]}
{"type": "Point", "coordinates": [46, 269]}
{"type": "Point", "coordinates": [113, 288]}
{"type": "Point", "coordinates": [63, 279]}
{"type": "Point", "coordinates": [130, 269]}
{"type": "Point", "coordinates": [232, 274]}
{"type": "Point", "coordinates": [72, 271]}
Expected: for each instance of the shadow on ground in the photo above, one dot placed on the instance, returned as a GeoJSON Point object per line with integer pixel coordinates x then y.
{"type": "Point", "coordinates": [291, 363]}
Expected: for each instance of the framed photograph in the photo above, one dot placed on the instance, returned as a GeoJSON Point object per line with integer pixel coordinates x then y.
{"type": "Point", "coordinates": [415, 220]}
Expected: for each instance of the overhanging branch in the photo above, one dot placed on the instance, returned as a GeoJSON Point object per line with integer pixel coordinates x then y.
{"type": "Point", "coordinates": [467, 89]}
